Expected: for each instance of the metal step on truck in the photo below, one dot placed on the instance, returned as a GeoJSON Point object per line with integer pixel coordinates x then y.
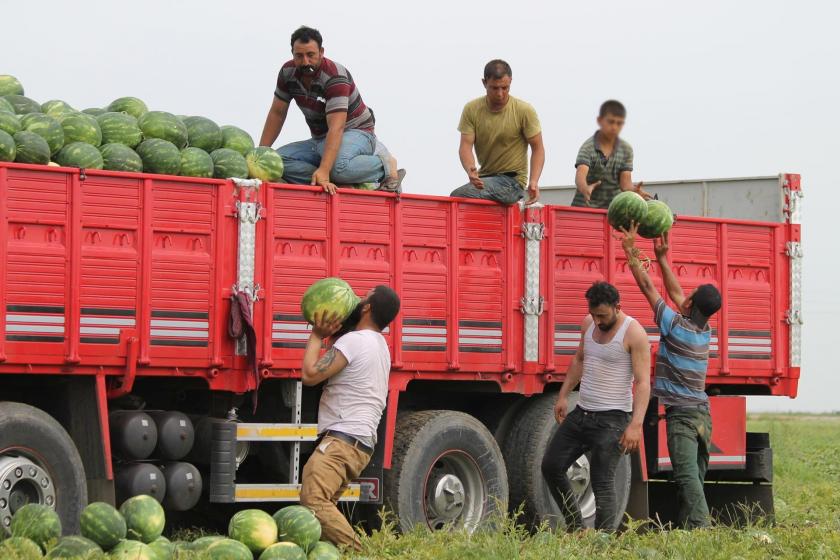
{"type": "Point", "coordinates": [119, 374]}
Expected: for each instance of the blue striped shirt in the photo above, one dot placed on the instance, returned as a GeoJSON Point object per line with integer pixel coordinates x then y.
{"type": "Point", "coordinates": [682, 359]}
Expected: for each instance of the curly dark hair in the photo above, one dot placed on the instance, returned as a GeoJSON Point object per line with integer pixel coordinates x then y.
{"type": "Point", "coordinates": [305, 34]}
{"type": "Point", "coordinates": [602, 292]}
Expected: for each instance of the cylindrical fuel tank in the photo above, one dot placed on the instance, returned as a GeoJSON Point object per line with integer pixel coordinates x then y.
{"type": "Point", "coordinates": [134, 434]}
{"type": "Point", "coordinates": [139, 478]}
{"type": "Point", "coordinates": [175, 434]}
{"type": "Point", "coordinates": [183, 485]}
{"type": "Point", "coordinates": [200, 453]}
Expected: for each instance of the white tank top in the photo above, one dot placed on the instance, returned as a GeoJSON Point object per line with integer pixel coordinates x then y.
{"type": "Point", "coordinates": [607, 382]}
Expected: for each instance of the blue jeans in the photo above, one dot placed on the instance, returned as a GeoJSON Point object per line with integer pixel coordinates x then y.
{"type": "Point", "coordinates": [499, 188]}
{"type": "Point", "coordinates": [355, 162]}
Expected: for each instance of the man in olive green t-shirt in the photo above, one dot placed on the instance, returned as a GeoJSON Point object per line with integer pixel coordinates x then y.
{"type": "Point", "coordinates": [500, 128]}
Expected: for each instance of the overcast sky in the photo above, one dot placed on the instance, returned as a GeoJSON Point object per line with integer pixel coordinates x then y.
{"type": "Point", "coordinates": [714, 89]}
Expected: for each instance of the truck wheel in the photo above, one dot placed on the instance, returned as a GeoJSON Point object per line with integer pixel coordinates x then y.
{"type": "Point", "coordinates": [447, 471]}
{"type": "Point", "coordinates": [39, 463]}
{"type": "Point", "coordinates": [524, 448]}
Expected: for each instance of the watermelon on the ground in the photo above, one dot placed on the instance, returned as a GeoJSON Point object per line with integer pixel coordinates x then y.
{"type": "Point", "coordinates": [658, 220]}
{"type": "Point", "coordinates": [10, 123]}
{"type": "Point", "coordinates": [132, 550]}
{"type": "Point", "coordinates": [298, 524]}
{"type": "Point", "coordinates": [144, 518]}
{"type": "Point", "coordinates": [76, 547]}
{"type": "Point", "coordinates": [31, 148]}
{"type": "Point", "coordinates": [46, 127]}
{"type": "Point", "coordinates": [283, 551]}
{"type": "Point", "coordinates": [163, 125]}
{"type": "Point", "coordinates": [254, 528]}
{"type": "Point", "coordinates": [264, 164]}
{"type": "Point", "coordinates": [119, 128]}
{"type": "Point", "coordinates": [22, 104]}
{"type": "Point", "coordinates": [94, 111]}
{"type": "Point", "coordinates": [195, 162]}
{"type": "Point", "coordinates": [229, 163]}
{"type": "Point", "coordinates": [119, 157]}
{"type": "Point", "coordinates": [625, 208]}
{"type": "Point", "coordinates": [20, 548]}
{"type": "Point", "coordinates": [57, 108]}
{"type": "Point", "coordinates": [5, 106]}
{"type": "Point", "coordinates": [200, 544]}
{"type": "Point", "coordinates": [323, 550]}
{"type": "Point", "coordinates": [9, 85]}
{"type": "Point", "coordinates": [37, 522]}
{"type": "Point", "coordinates": [203, 133]}
{"type": "Point", "coordinates": [163, 547]}
{"type": "Point", "coordinates": [237, 139]}
{"type": "Point", "coordinates": [159, 156]}
{"type": "Point", "coordinates": [79, 127]}
{"type": "Point", "coordinates": [228, 549]}
{"type": "Point", "coordinates": [81, 155]}
{"type": "Point", "coordinates": [102, 524]}
{"type": "Point", "coordinates": [8, 149]}
{"type": "Point", "coordinates": [131, 105]}
{"type": "Point", "coordinates": [330, 295]}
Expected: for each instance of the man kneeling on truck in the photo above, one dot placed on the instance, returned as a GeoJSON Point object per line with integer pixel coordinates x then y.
{"type": "Point", "coordinates": [356, 369]}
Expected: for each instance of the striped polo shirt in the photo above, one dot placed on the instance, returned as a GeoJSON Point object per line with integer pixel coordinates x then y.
{"type": "Point", "coordinates": [682, 359]}
{"type": "Point", "coordinates": [332, 90]}
{"type": "Point", "coordinates": [602, 168]}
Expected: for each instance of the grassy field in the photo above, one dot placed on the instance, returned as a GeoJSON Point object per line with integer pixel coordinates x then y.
{"type": "Point", "coordinates": [807, 499]}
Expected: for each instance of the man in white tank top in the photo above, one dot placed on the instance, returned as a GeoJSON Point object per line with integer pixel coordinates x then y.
{"type": "Point", "coordinates": [613, 354]}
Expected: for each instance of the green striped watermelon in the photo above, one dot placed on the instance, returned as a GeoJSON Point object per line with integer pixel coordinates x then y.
{"type": "Point", "coordinates": [94, 111]}
{"type": "Point", "coordinates": [202, 543]}
{"type": "Point", "coordinates": [264, 164]}
{"type": "Point", "coordinates": [9, 85]}
{"type": "Point", "coordinates": [23, 105]}
{"type": "Point", "coordinates": [254, 528]}
{"type": "Point", "coordinates": [46, 127]}
{"type": "Point", "coordinates": [330, 295]}
{"type": "Point", "coordinates": [8, 150]}
{"type": "Point", "coordinates": [5, 106]}
{"type": "Point", "coordinates": [195, 162]}
{"type": "Point", "coordinates": [103, 524]}
{"type": "Point", "coordinates": [298, 524]}
{"type": "Point", "coordinates": [132, 550]}
{"type": "Point", "coordinates": [79, 127]}
{"type": "Point", "coordinates": [203, 133]}
{"type": "Point", "coordinates": [119, 128]}
{"type": "Point", "coordinates": [131, 105]}
{"type": "Point", "coordinates": [658, 220]}
{"type": "Point", "coordinates": [163, 125]}
{"type": "Point", "coordinates": [119, 157]}
{"type": "Point", "coordinates": [228, 163]}
{"type": "Point", "coordinates": [57, 108]}
{"type": "Point", "coordinates": [163, 547]}
{"type": "Point", "coordinates": [159, 156]}
{"type": "Point", "coordinates": [77, 548]}
{"type": "Point", "coordinates": [31, 148]}
{"type": "Point", "coordinates": [228, 549]}
{"type": "Point", "coordinates": [10, 123]}
{"type": "Point", "coordinates": [37, 522]}
{"type": "Point", "coordinates": [237, 139]}
{"type": "Point", "coordinates": [323, 551]}
{"type": "Point", "coordinates": [20, 548]}
{"type": "Point", "coordinates": [144, 518]}
{"type": "Point", "coordinates": [625, 208]}
{"type": "Point", "coordinates": [283, 551]}
{"type": "Point", "coordinates": [81, 155]}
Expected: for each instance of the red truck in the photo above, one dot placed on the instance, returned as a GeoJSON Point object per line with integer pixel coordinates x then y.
{"type": "Point", "coordinates": [120, 372]}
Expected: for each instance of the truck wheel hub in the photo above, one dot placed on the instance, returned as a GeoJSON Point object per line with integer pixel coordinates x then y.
{"type": "Point", "coordinates": [449, 497]}
{"type": "Point", "coordinates": [22, 482]}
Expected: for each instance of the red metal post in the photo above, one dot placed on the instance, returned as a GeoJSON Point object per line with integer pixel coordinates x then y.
{"type": "Point", "coordinates": [723, 323]}
{"type": "Point", "coordinates": [268, 277]}
{"type": "Point", "coordinates": [74, 273]}
{"type": "Point", "coordinates": [551, 278]}
{"type": "Point", "coordinates": [104, 428]}
{"type": "Point", "coordinates": [4, 240]}
{"type": "Point", "coordinates": [452, 314]}
{"type": "Point", "coordinates": [513, 239]}
{"type": "Point", "coordinates": [396, 276]}
{"type": "Point", "coordinates": [144, 299]}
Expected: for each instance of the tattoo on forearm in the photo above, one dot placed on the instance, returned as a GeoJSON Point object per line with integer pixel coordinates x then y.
{"type": "Point", "coordinates": [325, 361]}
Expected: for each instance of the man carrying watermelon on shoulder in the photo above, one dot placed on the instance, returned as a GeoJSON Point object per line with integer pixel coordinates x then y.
{"type": "Point", "coordinates": [356, 369]}
{"type": "Point", "coordinates": [343, 145]}
{"type": "Point", "coordinates": [605, 162]}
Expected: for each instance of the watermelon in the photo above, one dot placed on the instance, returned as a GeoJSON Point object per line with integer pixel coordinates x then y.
{"type": "Point", "coordinates": [626, 207]}
{"type": "Point", "coordinates": [228, 163]}
{"type": "Point", "coordinates": [20, 548]}
{"type": "Point", "coordinates": [46, 127]}
{"type": "Point", "coordinates": [237, 139]}
{"type": "Point", "coordinates": [132, 550]}
{"type": "Point", "coordinates": [94, 111]}
{"type": "Point", "coordinates": [298, 524]}
{"type": "Point", "coordinates": [119, 157]}
{"type": "Point", "coordinates": [331, 295]}
{"type": "Point", "coordinates": [131, 105]}
{"type": "Point", "coordinates": [163, 548]}
{"type": "Point", "coordinates": [203, 133]}
{"type": "Point", "coordinates": [159, 156]}
{"type": "Point", "coordinates": [366, 186]}
{"type": "Point", "coordinates": [31, 148]}
{"type": "Point", "coordinates": [144, 518]}
{"type": "Point", "coordinates": [5, 106]}
{"type": "Point", "coordinates": [81, 155]}
{"type": "Point", "coordinates": [163, 125]}
{"type": "Point", "coordinates": [195, 162]}
{"type": "Point", "coordinates": [79, 127]}
{"type": "Point", "coordinates": [8, 150]}
{"type": "Point", "coordinates": [23, 105]}
{"type": "Point", "coordinates": [323, 551]}
{"type": "Point", "coordinates": [283, 551]}
{"type": "Point", "coordinates": [10, 123]}
{"type": "Point", "coordinates": [228, 549]}
{"type": "Point", "coordinates": [657, 221]}
{"type": "Point", "coordinates": [119, 128]}
{"type": "Point", "coordinates": [57, 108]}
{"type": "Point", "coordinates": [9, 85]}
{"type": "Point", "coordinates": [37, 522]}
{"type": "Point", "coordinates": [264, 164]}
{"type": "Point", "coordinates": [102, 524]}
{"type": "Point", "coordinates": [76, 547]}
{"type": "Point", "coordinates": [254, 528]}
{"type": "Point", "coordinates": [202, 543]}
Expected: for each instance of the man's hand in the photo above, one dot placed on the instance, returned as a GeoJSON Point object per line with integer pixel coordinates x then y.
{"type": "Point", "coordinates": [560, 408]}
{"type": "Point", "coordinates": [631, 437]}
{"type": "Point", "coordinates": [325, 324]}
{"type": "Point", "coordinates": [475, 179]}
{"type": "Point", "coordinates": [587, 190]}
{"type": "Point", "coordinates": [629, 241]}
{"type": "Point", "coordinates": [660, 246]}
{"type": "Point", "coordinates": [321, 177]}
{"type": "Point", "coordinates": [637, 188]}
{"type": "Point", "coordinates": [533, 192]}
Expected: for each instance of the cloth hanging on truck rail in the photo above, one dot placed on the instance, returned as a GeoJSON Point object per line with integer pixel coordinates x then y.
{"type": "Point", "coordinates": [242, 324]}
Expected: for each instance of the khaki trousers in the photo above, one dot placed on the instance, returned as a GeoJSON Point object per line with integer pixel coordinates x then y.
{"type": "Point", "coordinates": [326, 474]}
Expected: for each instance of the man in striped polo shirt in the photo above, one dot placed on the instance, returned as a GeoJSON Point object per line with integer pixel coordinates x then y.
{"type": "Point", "coordinates": [342, 147]}
{"type": "Point", "coordinates": [681, 363]}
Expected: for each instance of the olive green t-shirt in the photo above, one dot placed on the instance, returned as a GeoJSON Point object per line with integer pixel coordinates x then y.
{"type": "Point", "coordinates": [501, 139]}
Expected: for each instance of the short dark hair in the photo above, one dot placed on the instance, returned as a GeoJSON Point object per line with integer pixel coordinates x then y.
{"type": "Point", "coordinates": [384, 306]}
{"type": "Point", "coordinates": [305, 34]}
{"type": "Point", "coordinates": [602, 292]}
{"type": "Point", "coordinates": [707, 300]}
{"type": "Point", "coordinates": [612, 107]}
{"type": "Point", "coordinates": [497, 69]}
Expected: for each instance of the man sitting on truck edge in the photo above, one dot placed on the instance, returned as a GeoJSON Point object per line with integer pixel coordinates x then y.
{"type": "Point", "coordinates": [342, 146]}
{"type": "Point", "coordinates": [608, 360]}
{"type": "Point", "coordinates": [500, 127]}
{"type": "Point", "coordinates": [356, 369]}
{"type": "Point", "coordinates": [604, 162]}
{"type": "Point", "coordinates": [680, 376]}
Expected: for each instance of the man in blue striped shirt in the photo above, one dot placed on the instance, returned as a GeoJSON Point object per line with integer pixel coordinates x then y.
{"type": "Point", "coordinates": [680, 382]}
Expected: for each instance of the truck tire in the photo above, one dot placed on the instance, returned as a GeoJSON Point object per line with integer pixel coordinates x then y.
{"type": "Point", "coordinates": [524, 448]}
{"type": "Point", "coordinates": [41, 464]}
{"type": "Point", "coordinates": [447, 470]}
